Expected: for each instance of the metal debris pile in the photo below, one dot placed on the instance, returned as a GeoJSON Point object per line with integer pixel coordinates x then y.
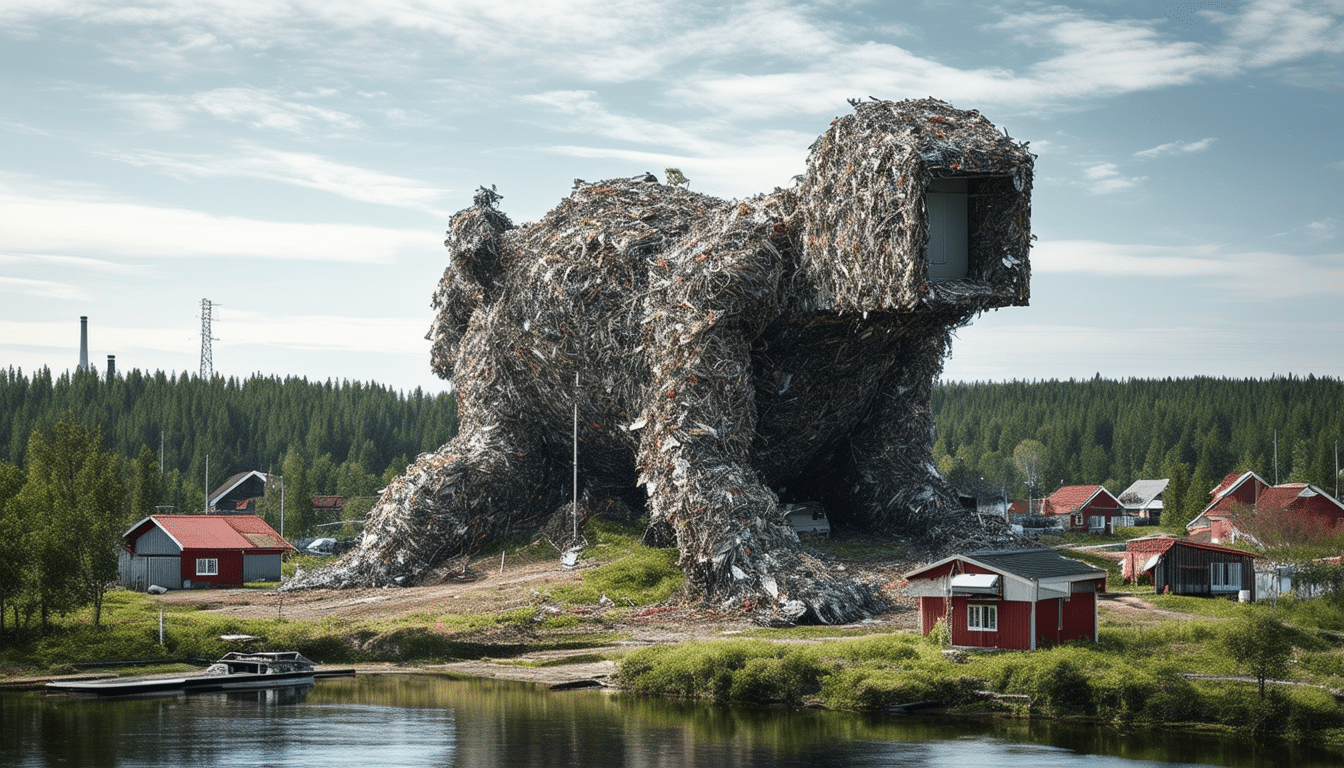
{"type": "Point", "coordinates": [725, 357]}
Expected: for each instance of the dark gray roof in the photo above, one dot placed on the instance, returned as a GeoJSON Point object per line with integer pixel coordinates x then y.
{"type": "Point", "coordinates": [1033, 563]}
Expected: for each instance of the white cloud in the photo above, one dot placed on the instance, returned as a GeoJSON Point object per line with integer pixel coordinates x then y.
{"type": "Point", "coordinates": [1176, 148]}
{"type": "Point", "coordinates": [300, 169]}
{"type": "Point", "coordinates": [404, 335]}
{"type": "Point", "coordinates": [255, 107]}
{"type": "Point", "coordinates": [62, 262]}
{"type": "Point", "coordinates": [44, 289]}
{"type": "Point", "coordinates": [1104, 178]}
{"type": "Point", "coordinates": [1264, 275]}
{"type": "Point", "coordinates": [36, 224]}
{"type": "Point", "coordinates": [712, 54]}
{"type": "Point", "coordinates": [1271, 32]}
{"type": "Point", "coordinates": [1323, 229]}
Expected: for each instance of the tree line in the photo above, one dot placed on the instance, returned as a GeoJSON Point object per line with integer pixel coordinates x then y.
{"type": "Point", "coordinates": [994, 437]}
{"type": "Point", "coordinates": [345, 432]}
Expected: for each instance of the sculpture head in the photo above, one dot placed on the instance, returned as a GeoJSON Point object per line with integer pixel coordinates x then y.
{"type": "Point", "coordinates": [914, 205]}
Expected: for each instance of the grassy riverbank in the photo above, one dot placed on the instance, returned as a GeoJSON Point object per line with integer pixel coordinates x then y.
{"type": "Point", "coordinates": [1140, 672]}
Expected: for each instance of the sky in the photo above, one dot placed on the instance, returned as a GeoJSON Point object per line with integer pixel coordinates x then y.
{"type": "Point", "coordinates": [296, 164]}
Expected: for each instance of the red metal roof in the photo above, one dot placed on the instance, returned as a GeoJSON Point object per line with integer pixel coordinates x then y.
{"type": "Point", "coordinates": [217, 531]}
{"type": "Point", "coordinates": [1226, 485]}
{"type": "Point", "coordinates": [1154, 544]}
{"type": "Point", "coordinates": [1071, 498]}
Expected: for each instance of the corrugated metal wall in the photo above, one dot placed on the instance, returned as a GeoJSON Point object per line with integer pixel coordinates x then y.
{"type": "Point", "coordinates": [156, 542]}
{"type": "Point", "coordinates": [1186, 571]}
{"type": "Point", "coordinates": [139, 573]}
{"type": "Point", "coordinates": [261, 568]}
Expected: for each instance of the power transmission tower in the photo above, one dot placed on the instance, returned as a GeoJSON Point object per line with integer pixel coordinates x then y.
{"type": "Point", "coordinates": [207, 360]}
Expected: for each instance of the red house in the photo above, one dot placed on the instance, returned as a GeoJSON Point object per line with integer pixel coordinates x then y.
{"type": "Point", "coordinates": [185, 551]}
{"type": "Point", "coordinates": [1086, 508]}
{"type": "Point", "coordinates": [1290, 511]}
{"type": "Point", "coordinates": [1016, 598]}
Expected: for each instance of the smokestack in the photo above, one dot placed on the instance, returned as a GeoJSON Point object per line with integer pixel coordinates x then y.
{"type": "Point", "coordinates": [111, 367]}
{"type": "Point", "coordinates": [83, 343]}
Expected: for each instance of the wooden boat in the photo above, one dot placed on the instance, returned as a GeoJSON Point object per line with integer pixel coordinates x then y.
{"type": "Point", "coordinates": [235, 670]}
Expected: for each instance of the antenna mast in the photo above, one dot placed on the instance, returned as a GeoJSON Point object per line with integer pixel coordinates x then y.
{"type": "Point", "coordinates": [207, 358]}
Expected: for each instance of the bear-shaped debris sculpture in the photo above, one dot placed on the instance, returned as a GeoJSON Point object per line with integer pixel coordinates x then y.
{"type": "Point", "coordinates": [727, 359]}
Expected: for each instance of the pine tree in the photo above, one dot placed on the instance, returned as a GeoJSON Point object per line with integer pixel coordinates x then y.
{"type": "Point", "coordinates": [146, 483]}
{"type": "Point", "coordinates": [15, 544]}
{"type": "Point", "coordinates": [74, 496]}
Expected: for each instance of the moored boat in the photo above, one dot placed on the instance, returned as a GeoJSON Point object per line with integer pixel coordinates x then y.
{"type": "Point", "coordinates": [233, 671]}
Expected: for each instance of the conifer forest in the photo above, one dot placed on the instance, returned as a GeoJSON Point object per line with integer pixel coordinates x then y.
{"type": "Point", "coordinates": [349, 438]}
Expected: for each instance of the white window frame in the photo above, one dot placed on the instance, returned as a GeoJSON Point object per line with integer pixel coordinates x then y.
{"type": "Point", "coordinates": [207, 566]}
{"type": "Point", "coordinates": [1225, 577]}
{"type": "Point", "coordinates": [982, 618]}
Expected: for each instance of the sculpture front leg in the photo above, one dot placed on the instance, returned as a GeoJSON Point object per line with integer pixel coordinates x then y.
{"type": "Point", "coordinates": [447, 503]}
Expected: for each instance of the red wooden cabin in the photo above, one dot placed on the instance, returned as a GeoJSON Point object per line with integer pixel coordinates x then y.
{"type": "Point", "coordinates": [177, 551]}
{"type": "Point", "coordinates": [1017, 598]}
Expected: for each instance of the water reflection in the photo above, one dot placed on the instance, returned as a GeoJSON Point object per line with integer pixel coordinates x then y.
{"type": "Point", "coordinates": [388, 722]}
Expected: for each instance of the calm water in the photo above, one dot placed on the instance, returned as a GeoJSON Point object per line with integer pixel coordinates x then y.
{"type": "Point", "coordinates": [390, 722]}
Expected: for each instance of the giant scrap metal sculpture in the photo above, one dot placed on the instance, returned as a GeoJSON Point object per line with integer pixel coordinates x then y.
{"type": "Point", "coordinates": [730, 356]}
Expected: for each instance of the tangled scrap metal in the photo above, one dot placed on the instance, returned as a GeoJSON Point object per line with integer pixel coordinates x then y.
{"type": "Point", "coordinates": [726, 358]}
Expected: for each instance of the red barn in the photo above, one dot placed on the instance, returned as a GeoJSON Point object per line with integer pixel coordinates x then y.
{"type": "Point", "coordinates": [1085, 508]}
{"type": "Point", "coordinates": [184, 551]}
{"type": "Point", "coordinates": [1016, 598]}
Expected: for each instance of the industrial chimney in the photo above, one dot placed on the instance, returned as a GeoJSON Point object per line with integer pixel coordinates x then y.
{"type": "Point", "coordinates": [111, 367]}
{"type": "Point", "coordinates": [83, 343]}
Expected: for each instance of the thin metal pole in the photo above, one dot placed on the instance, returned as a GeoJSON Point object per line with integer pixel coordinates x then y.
{"type": "Point", "coordinates": [576, 459]}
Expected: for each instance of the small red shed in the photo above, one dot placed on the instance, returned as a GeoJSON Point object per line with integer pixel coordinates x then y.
{"type": "Point", "coordinates": [177, 551]}
{"type": "Point", "coordinates": [1014, 598]}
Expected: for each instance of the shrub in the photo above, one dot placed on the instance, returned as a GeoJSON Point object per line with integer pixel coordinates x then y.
{"type": "Point", "coordinates": [743, 671]}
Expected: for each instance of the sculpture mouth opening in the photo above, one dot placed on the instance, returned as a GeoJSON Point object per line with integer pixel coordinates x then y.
{"type": "Point", "coordinates": [968, 216]}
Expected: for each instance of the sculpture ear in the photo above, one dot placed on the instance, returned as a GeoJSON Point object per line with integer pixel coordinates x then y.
{"type": "Point", "coordinates": [474, 244]}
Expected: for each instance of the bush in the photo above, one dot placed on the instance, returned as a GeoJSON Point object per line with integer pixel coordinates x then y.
{"type": "Point", "coordinates": [739, 671]}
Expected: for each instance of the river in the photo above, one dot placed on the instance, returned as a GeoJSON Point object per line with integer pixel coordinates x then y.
{"type": "Point", "coordinates": [421, 721]}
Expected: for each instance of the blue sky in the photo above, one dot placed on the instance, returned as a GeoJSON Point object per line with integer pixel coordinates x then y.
{"type": "Point", "coordinates": [296, 163]}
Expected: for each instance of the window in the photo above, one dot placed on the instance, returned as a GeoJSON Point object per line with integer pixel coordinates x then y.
{"type": "Point", "coordinates": [982, 617]}
{"type": "Point", "coordinates": [1225, 577]}
{"type": "Point", "coordinates": [207, 566]}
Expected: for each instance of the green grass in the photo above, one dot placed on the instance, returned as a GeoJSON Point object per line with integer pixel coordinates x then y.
{"type": "Point", "coordinates": [130, 631]}
{"type": "Point", "coordinates": [1129, 676]}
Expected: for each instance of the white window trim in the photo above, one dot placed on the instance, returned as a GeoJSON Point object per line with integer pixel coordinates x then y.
{"type": "Point", "coordinates": [207, 566]}
{"type": "Point", "coordinates": [982, 618]}
{"type": "Point", "coordinates": [1225, 577]}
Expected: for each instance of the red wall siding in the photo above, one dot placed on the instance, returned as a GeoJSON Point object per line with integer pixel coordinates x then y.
{"type": "Point", "coordinates": [931, 609]}
{"type": "Point", "coordinates": [230, 566]}
{"type": "Point", "coordinates": [1323, 509]}
{"type": "Point", "coordinates": [1080, 612]}
{"type": "Point", "coordinates": [1014, 626]}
